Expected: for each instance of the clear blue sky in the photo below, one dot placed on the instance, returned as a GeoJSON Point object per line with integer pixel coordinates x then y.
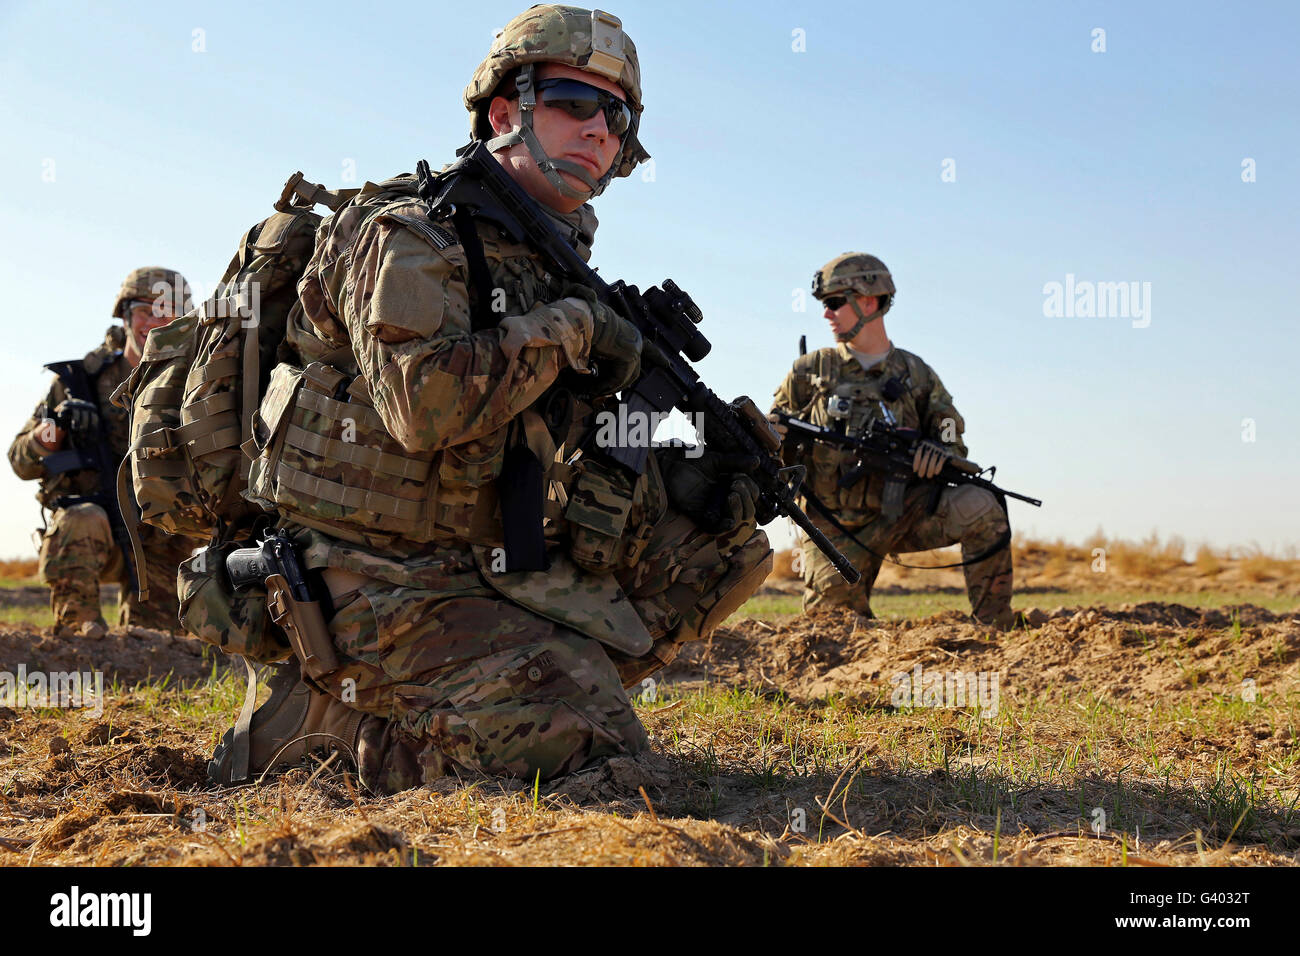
{"type": "Point", "coordinates": [1115, 166]}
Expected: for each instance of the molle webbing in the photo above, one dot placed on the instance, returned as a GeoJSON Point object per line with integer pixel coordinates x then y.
{"type": "Point", "coordinates": [334, 465]}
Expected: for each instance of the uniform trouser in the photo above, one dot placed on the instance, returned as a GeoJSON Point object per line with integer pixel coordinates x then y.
{"type": "Point", "coordinates": [78, 551]}
{"type": "Point", "coordinates": [457, 678]}
{"type": "Point", "coordinates": [472, 683]}
{"type": "Point", "coordinates": [966, 515]}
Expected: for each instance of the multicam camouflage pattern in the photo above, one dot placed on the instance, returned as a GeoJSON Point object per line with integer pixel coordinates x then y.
{"type": "Point", "coordinates": [608, 515]}
{"type": "Point", "coordinates": [77, 548]}
{"type": "Point", "coordinates": [968, 515]}
{"type": "Point", "coordinates": [853, 271]}
{"type": "Point", "coordinates": [420, 433]}
{"type": "Point", "coordinates": [235, 622]}
{"type": "Point", "coordinates": [550, 33]}
{"type": "Point", "coordinates": [459, 665]}
{"type": "Point", "coordinates": [154, 283]}
{"type": "Point", "coordinates": [187, 396]}
{"type": "Point", "coordinates": [524, 698]}
{"type": "Point", "coordinates": [922, 403]}
{"type": "Point", "coordinates": [108, 370]}
{"type": "Point", "coordinates": [78, 552]}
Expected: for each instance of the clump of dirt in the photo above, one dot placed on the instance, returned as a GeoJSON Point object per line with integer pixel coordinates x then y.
{"type": "Point", "coordinates": [1143, 650]}
{"type": "Point", "coordinates": [125, 654]}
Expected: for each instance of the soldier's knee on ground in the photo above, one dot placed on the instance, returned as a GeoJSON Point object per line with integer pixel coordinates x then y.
{"type": "Point", "coordinates": [547, 708]}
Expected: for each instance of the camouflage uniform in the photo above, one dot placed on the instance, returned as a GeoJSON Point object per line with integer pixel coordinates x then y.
{"type": "Point", "coordinates": [456, 664]}
{"type": "Point", "coordinates": [971, 516]}
{"type": "Point", "coordinates": [77, 547]}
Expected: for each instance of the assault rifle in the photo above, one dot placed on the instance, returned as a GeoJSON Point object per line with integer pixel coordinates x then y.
{"type": "Point", "coordinates": [92, 454]}
{"type": "Point", "coordinates": [476, 185]}
{"type": "Point", "coordinates": [887, 450]}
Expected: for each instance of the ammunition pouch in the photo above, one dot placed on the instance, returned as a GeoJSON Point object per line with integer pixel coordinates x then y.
{"type": "Point", "coordinates": [322, 457]}
{"type": "Point", "coordinates": [611, 517]}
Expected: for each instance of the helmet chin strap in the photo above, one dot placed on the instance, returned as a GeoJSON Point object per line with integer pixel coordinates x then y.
{"type": "Point", "coordinates": [863, 319]}
{"type": "Point", "coordinates": [551, 168]}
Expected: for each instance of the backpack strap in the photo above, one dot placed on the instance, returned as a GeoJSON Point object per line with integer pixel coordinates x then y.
{"type": "Point", "coordinates": [481, 310]}
{"type": "Point", "coordinates": [310, 194]}
{"type": "Point", "coordinates": [131, 520]}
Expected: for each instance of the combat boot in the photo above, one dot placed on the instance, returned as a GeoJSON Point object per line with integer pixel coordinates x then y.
{"type": "Point", "coordinates": [1004, 620]}
{"type": "Point", "coordinates": [295, 721]}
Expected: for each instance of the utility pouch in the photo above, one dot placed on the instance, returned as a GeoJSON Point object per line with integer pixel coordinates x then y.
{"type": "Point", "coordinates": [600, 500]}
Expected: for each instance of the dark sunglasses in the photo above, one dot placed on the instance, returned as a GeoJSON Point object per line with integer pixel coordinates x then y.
{"type": "Point", "coordinates": [582, 102]}
{"type": "Point", "coordinates": [835, 302]}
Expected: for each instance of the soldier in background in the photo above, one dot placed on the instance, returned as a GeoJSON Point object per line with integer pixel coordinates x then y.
{"type": "Point", "coordinates": [78, 549]}
{"type": "Point", "coordinates": [861, 378]}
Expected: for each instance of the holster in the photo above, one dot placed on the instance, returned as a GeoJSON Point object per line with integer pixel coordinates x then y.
{"type": "Point", "coordinates": [304, 625]}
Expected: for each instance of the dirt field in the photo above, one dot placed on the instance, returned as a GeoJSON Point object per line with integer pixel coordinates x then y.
{"type": "Point", "coordinates": [1139, 718]}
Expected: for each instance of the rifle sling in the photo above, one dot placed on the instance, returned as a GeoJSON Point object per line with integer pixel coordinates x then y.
{"type": "Point", "coordinates": [1003, 540]}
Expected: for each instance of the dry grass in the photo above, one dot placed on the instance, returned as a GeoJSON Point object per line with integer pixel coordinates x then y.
{"type": "Point", "coordinates": [1208, 561]}
{"type": "Point", "coordinates": [1256, 566]}
{"type": "Point", "coordinates": [18, 569]}
{"type": "Point", "coordinates": [1148, 558]}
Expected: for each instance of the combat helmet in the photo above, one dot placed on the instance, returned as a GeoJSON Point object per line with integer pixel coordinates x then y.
{"type": "Point", "coordinates": [151, 283]}
{"type": "Point", "coordinates": [860, 274]}
{"type": "Point", "coordinates": [591, 40]}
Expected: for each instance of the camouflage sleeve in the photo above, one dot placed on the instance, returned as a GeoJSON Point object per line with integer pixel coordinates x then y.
{"type": "Point", "coordinates": [942, 421]}
{"type": "Point", "coordinates": [26, 455]}
{"type": "Point", "coordinates": [433, 381]}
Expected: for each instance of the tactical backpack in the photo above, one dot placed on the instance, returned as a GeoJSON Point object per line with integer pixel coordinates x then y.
{"type": "Point", "coordinates": [192, 400]}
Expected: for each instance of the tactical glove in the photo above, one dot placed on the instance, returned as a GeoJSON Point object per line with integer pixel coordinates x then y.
{"type": "Point", "coordinates": [615, 351]}
{"type": "Point", "coordinates": [615, 344]}
{"type": "Point", "coordinates": [929, 459]}
{"type": "Point", "coordinates": [713, 490]}
{"type": "Point", "coordinates": [76, 416]}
